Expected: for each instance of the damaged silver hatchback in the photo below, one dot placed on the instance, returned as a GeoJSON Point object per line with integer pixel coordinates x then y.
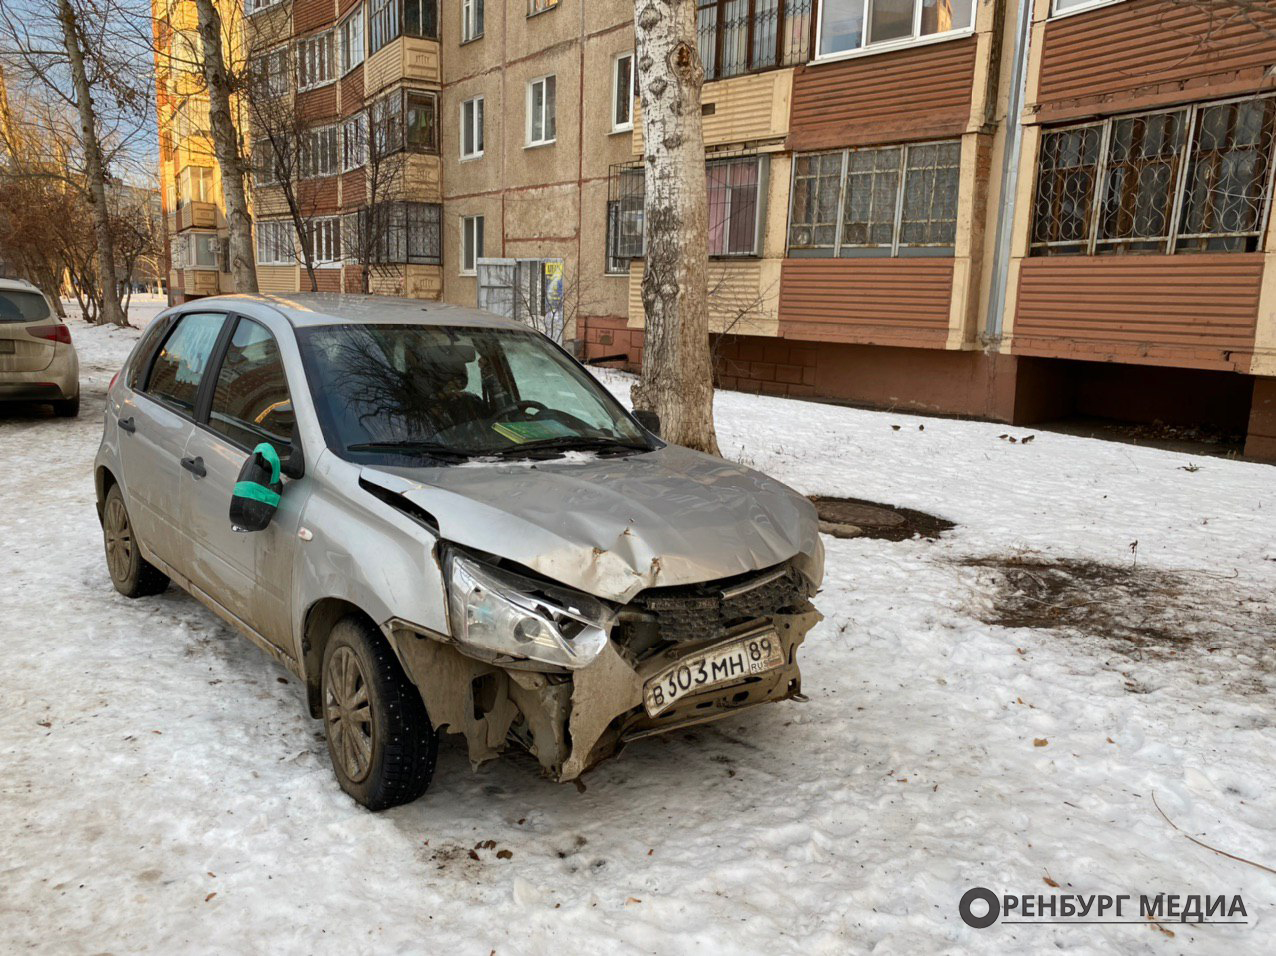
{"type": "Point", "coordinates": [439, 520]}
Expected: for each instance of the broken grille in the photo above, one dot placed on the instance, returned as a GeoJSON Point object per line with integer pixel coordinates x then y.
{"type": "Point", "coordinates": [1196, 178]}
{"type": "Point", "coordinates": [663, 617]}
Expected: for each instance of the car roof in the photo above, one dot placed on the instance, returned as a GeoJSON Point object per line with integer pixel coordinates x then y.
{"type": "Point", "coordinates": [17, 285]}
{"type": "Point", "coordinates": [309, 309]}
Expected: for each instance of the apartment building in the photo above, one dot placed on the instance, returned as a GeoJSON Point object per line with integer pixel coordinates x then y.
{"type": "Point", "coordinates": [1014, 210]}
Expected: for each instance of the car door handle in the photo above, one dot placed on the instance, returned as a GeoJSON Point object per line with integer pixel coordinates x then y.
{"type": "Point", "coordinates": [195, 466]}
{"type": "Point", "coordinates": [128, 425]}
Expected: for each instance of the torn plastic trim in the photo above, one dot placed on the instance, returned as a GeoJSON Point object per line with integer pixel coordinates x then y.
{"type": "Point", "coordinates": [402, 504]}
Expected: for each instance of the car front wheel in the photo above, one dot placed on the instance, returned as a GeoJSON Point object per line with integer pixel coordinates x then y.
{"type": "Point", "coordinates": [132, 575]}
{"type": "Point", "coordinates": [382, 744]}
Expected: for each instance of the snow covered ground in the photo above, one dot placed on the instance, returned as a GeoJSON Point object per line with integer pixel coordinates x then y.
{"type": "Point", "coordinates": [164, 791]}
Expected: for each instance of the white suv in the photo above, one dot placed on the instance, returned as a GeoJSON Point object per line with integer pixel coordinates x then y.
{"type": "Point", "coordinates": [37, 360]}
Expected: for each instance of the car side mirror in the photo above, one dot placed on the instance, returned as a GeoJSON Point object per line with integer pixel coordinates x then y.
{"type": "Point", "coordinates": [294, 466]}
{"type": "Point", "coordinates": [257, 490]}
{"type": "Point", "coordinates": [648, 420]}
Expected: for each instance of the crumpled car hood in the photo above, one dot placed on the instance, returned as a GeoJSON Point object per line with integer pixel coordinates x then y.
{"type": "Point", "coordinates": [614, 526]}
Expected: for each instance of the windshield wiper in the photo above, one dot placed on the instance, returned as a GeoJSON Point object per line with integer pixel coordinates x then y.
{"type": "Point", "coordinates": [429, 449]}
{"type": "Point", "coordinates": [572, 443]}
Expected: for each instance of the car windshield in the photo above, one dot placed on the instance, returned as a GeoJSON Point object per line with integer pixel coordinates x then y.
{"type": "Point", "coordinates": [18, 306]}
{"type": "Point", "coordinates": [450, 392]}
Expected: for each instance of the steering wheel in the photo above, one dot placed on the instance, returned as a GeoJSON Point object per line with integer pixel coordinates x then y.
{"type": "Point", "coordinates": [526, 406]}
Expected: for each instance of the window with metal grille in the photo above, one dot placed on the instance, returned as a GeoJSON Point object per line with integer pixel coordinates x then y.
{"type": "Point", "coordinates": [735, 187]}
{"type": "Point", "coordinates": [1197, 178]}
{"type": "Point", "coordinates": [748, 36]}
{"type": "Point", "coordinates": [354, 142]}
{"type": "Point", "coordinates": [408, 232]}
{"type": "Point", "coordinates": [883, 201]}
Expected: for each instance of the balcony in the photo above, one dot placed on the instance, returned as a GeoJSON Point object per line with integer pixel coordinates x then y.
{"type": "Point", "coordinates": [193, 215]}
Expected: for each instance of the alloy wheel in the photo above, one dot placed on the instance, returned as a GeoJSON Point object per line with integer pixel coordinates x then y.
{"type": "Point", "coordinates": [348, 714]}
{"type": "Point", "coordinates": [119, 539]}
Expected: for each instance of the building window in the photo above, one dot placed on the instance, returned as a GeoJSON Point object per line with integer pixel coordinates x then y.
{"type": "Point", "coordinates": [351, 36]}
{"type": "Point", "coordinates": [1194, 179]}
{"type": "Point", "coordinates": [265, 168]}
{"type": "Point", "coordinates": [886, 201]}
{"type": "Point", "coordinates": [274, 243]}
{"type": "Point", "coordinates": [747, 36]}
{"type": "Point", "coordinates": [202, 250]}
{"type": "Point", "coordinates": [256, 6]}
{"type": "Point", "coordinates": [405, 118]}
{"type": "Point", "coordinates": [421, 128]}
{"type": "Point", "coordinates": [1071, 6]}
{"type": "Point", "coordinates": [471, 20]}
{"type": "Point", "coordinates": [735, 190]}
{"type": "Point", "coordinates": [542, 126]}
{"type": "Point", "coordinates": [319, 153]}
{"type": "Point", "coordinates": [408, 232]}
{"type": "Point", "coordinates": [195, 184]}
{"type": "Point", "coordinates": [314, 61]}
{"type": "Point", "coordinates": [354, 142]}
{"type": "Point", "coordinates": [390, 19]}
{"type": "Point", "coordinates": [850, 25]}
{"type": "Point", "coordinates": [540, 6]}
{"type": "Point", "coordinates": [471, 244]}
{"type": "Point", "coordinates": [269, 72]}
{"type": "Point", "coordinates": [472, 128]}
{"type": "Point", "coordinates": [324, 238]}
{"type": "Point", "coordinates": [734, 196]}
{"type": "Point", "coordinates": [622, 92]}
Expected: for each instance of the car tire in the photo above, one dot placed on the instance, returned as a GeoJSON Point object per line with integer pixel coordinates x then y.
{"type": "Point", "coordinates": [67, 407]}
{"type": "Point", "coordinates": [380, 739]}
{"type": "Point", "coordinates": [132, 575]}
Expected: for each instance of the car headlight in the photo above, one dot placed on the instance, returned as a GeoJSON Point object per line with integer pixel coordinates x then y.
{"type": "Point", "coordinates": [507, 614]}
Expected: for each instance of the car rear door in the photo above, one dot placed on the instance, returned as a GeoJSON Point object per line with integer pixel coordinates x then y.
{"type": "Point", "coordinates": [250, 402]}
{"type": "Point", "coordinates": [21, 348]}
{"type": "Point", "coordinates": [156, 421]}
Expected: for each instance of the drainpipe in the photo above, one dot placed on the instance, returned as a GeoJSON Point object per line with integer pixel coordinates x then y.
{"type": "Point", "coordinates": [1009, 176]}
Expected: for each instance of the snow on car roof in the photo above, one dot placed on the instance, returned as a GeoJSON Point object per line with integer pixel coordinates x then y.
{"type": "Point", "coordinates": [332, 308]}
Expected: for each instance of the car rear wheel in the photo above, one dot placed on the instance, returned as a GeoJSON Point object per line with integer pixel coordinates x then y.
{"type": "Point", "coordinates": [67, 407]}
{"type": "Point", "coordinates": [382, 744]}
{"type": "Point", "coordinates": [132, 575]}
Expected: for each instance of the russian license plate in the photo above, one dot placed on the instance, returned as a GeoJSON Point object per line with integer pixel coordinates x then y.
{"type": "Point", "coordinates": [724, 664]}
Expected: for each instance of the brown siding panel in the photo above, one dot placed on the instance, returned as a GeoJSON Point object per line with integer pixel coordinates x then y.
{"type": "Point", "coordinates": [867, 301]}
{"type": "Point", "coordinates": [920, 93]}
{"type": "Point", "coordinates": [1196, 311]}
{"type": "Point", "coordinates": [352, 91]}
{"type": "Point", "coordinates": [320, 104]}
{"type": "Point", "coordinates": [308, 15]}
{"type": "Point", "coordinates": [317, 197]}
{"type": "Point", "coordinates": [353, 186]}
{"type": "Point", "coordinates": [1148, 53]}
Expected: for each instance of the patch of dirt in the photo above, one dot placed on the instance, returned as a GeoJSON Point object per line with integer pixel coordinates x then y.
{"type": "Point", "coordinates": [1143, 613]}
{"type": "Point", "coordinates": [857, 518]}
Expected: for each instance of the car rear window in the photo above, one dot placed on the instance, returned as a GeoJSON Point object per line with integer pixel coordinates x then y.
{"type": "Point", "coordinates": [16, 306]}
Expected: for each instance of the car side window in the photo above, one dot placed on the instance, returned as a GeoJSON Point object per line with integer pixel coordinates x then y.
{"type": "Point", "coordinates": [145, 352]}
{"type": "Point", "coordinates": [251, 402]}
{"type": "Point", "coordinates": [182, 360]}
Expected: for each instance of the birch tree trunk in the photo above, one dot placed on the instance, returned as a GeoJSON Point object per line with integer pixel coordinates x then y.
{"type": "Point", "coordinates": [94, 167]}
{"type": "Point", "coordinates": [677, 371]}
{"type": "Point", "coordinates": [243, 267]}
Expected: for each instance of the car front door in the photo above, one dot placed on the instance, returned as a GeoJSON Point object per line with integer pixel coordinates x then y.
{"type": "Point", "coordinates": [248, 573]}
{"type": "Point", "coordinates": [156, 422]}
